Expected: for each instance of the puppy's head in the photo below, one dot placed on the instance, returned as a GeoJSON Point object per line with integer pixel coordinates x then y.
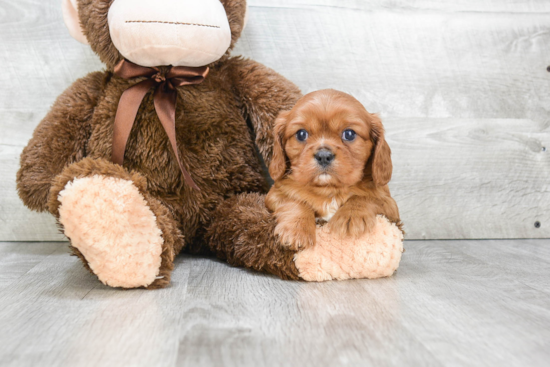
{"type": "Point", "coordinates": [329, 139]}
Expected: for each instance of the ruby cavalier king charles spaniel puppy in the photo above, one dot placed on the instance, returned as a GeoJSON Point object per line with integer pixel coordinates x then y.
{"type": "Point", "coordinates": [331, 164]}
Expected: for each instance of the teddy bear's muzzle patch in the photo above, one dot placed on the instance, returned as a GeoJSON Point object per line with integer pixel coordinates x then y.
{"type": "Point", "coordinates": [172, 32]}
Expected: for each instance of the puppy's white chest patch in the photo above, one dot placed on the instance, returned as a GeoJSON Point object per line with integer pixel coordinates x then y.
{"type": "Point", "coordinates": [329, 209]}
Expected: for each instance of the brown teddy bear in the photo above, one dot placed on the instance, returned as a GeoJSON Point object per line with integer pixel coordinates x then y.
{"type": "Point", "coordinates": [163, 151]}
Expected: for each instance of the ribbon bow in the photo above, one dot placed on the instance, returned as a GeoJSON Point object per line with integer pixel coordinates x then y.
{"type": "Point", "coordinates": [165, 80]}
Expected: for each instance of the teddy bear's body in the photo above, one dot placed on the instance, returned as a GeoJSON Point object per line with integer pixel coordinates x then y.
{"type": "Point", "coordinates": [127, 222]}
{"type": "Point", "coordinates": [216, 140]}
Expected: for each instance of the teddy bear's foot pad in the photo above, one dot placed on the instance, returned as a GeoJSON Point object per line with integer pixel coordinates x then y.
{"type": "Point", "coordinates": [109, 222]}
{"type": "Point", "coordinates": [374, 255]}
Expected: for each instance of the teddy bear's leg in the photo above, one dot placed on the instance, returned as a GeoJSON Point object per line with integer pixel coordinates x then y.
{"type": "Point", "coordinates": [242, 232]}
{"type": "Point", "coordinates": [123, 235]}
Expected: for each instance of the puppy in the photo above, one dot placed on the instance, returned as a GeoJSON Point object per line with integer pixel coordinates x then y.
{"type": "Point", "coordinates": [331, 164]}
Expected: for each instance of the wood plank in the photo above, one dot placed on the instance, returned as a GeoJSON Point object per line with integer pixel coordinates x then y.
{"type": "Point", "coordinates": [428, 59]}
{"type": "Point", "coordinates": [469, 178]}
{"type": "Point", "coordinates": [525, 260]}
{"type": "Point", "coordinates": [478, 313]}
{"type": "Point", "coordinates": [450, 303]}
{"type": "Point", "coordinates": [453, 178]}
{"type": "Point", "coordinates": [426, 62]}
{"type": "Point", "coordinates": [17, 258]}
{"type": "Point", "coordinates": [258, 320]}
{"type": "Point", "coordinates": [17, 222]}
{"type": "Point", "coordinates": [59, 314]}
{"type": "Point", "coordinates": [488, 6]}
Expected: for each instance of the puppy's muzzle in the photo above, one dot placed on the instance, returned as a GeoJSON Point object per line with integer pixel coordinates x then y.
{"type": "Point", "coordinates": [324, 157]}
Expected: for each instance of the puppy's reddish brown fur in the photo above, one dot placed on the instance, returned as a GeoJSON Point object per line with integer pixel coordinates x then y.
{"type": "Point", "coordinates": [349, 191]}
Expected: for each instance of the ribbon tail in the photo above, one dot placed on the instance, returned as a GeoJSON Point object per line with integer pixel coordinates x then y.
{"type": "Point", "coordinates": [126, 113]}
{"type": "Point", "coordinates": [165, 105]}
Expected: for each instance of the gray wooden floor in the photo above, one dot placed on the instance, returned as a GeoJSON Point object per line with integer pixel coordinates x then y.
{"type": "Point", "coordinates": [453, 303]}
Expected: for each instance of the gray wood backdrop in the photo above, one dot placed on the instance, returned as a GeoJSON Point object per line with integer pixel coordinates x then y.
{"type": "Point", "coordinates": [462, 87]}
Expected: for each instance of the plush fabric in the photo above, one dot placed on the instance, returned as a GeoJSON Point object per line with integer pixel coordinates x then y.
{"type": "Point", "coordinates": [173, 239]}
{"type": "Point", "coordinates": [110, 223]}
{"type": "Point", "coordinates": [127, 223]}
{"type": "Point", "coordinates": [92, 25]}
{"type": "Point", "coordinates": [179, 33]}
{"type": "Point", "coordinates": [242, 233]}
{"type": "Point", "coordinates": [217, 124]}
{"type": "Point", "coordinates": [70, 16]}
{"type": "Point", "coordinates": [376, 254]}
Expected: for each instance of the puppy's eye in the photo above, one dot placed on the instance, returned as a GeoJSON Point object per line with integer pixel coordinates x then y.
{"type": "Point", "coordinates": [349, 135]}
{"type": "Point", "coordinates": [302, 135]}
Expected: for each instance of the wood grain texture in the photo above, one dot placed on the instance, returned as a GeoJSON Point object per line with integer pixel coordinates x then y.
{"type": "Point", "coordinates": [471, 178]}
{"type": "Point", "coordinates": [451, 303]}
{"type": "Point", "coordinates": [17, 223]}
{"type": "Point", "coordinates": [477, 66]}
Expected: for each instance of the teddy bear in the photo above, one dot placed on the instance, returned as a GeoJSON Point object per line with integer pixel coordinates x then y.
{"type": "Point", "coordinates": [164, 150]}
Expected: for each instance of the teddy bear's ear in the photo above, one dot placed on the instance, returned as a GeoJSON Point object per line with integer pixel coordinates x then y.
{"type": "Point", "coordinates": [246, 13]}
{"type": "Point", "coordinates": [70, 16]}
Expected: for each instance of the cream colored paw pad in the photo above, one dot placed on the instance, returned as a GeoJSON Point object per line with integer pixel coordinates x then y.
{"type": "Point", "coordinates": [377, 254]}
{"type": "Point", "coordinates": [110, 223]}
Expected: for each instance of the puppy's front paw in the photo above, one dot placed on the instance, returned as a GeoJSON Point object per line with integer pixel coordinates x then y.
{"type": "Point", "coordinates": [296, 235]}
{"type": "Point", "coordinates": [350, 224]}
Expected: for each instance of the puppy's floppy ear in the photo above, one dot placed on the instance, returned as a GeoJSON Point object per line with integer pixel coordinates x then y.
{"type": "Point", "coordinates": [380, 159]}
{"type": "Point", "coordinates": [278, 165]}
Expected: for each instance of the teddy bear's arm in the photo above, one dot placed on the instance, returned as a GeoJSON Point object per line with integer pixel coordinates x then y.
{"type": "Point", "coordinates": [263, 94]}
{"type": "Point", "coordinates": [59, 139]}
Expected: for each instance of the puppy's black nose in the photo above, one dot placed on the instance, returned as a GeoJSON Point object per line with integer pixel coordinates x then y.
{"type": "Point", "coordinates": [324, 157]}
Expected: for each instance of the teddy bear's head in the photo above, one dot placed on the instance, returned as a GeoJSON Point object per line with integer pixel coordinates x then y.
{"type": "Point", "coordinates": [157, 32]}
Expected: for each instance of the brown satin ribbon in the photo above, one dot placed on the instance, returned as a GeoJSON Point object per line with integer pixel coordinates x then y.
{"type": "Point", "coordinates": [165, 84]}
